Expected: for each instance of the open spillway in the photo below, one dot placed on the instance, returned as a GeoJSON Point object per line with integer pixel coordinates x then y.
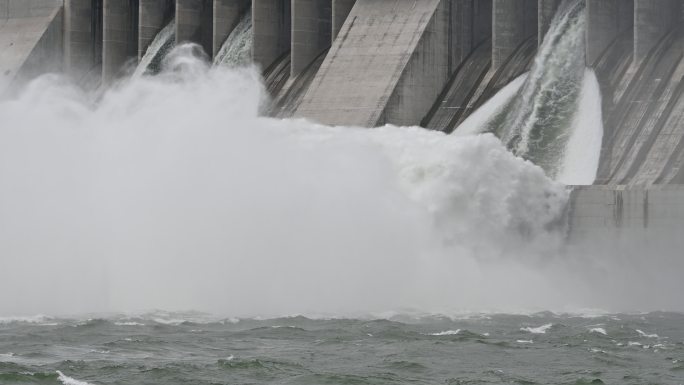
{"type": "Point", "coordinates": [162, 44]}
{"type": "Point", "coordinates": [236, 50]}
{"type": "Point", "coordinates": [539, 124]}
{"type": "Point", "coordinates": [552, 115]}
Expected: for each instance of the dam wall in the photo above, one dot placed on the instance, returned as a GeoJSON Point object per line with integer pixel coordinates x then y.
{"type": "Point", "coordinates": [411, 36]}
{"type": "Point", "coordinates": [606, 20]}
{"type": "Point", "coordinates": [31, 39]}
{"type": "Point", "coordinates": [272, 21]}
{"type": "Point", "coordinates": [340, 11]}
{"type": "Point", "coordinates": [82, 37]}
{"type": "Point", "coordinates": [622, 213]}
{"type": "Point", "coordinates": [514, 21]}
{"type": "Point", "coordinates": [119, 36]}
{"type": "Point", "coordinates": [430, 62]}
{"type": "Point", "coordinates": [311, 31]}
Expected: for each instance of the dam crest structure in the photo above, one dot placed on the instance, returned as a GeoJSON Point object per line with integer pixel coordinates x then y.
{"type": "Point", "coordinates": [429, 62]}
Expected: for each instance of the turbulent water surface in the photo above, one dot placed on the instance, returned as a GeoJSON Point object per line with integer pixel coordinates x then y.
{"type": "Point", "coordinates": [170, 349]}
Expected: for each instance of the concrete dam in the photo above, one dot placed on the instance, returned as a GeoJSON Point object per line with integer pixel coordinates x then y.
{"type": "Point", "coordinates": [432, 63]}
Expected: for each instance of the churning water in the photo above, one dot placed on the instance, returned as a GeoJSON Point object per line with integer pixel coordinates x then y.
{"type": "Point", "coordinates": [237, 49]}
{"type": "Point", "coordinates": [162, 44]}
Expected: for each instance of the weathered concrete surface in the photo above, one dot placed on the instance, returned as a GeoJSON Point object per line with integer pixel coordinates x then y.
{"type": "Point", "coordinates": [387, 65]}
{"type": "Point", "coordinates": [30, 39]}
{"type": "Point", "coordinates": [652, 20]}
{"type": "Point", "coordinates": [311, 30]}
{"type": "Point", "coordinates": [514, 21]}
{"type": "Point", "coordinates": [546, 11]}
{"type": "Point", "coordinates": [120, 36]}
{"type": "Point", "coordinates": [271, 22]}
{"type": "Point", "coordinates": [194, 20]}
{"type": "Point", "coordinates": [620, 212]}
{"type": "Point", "coordinates": [154, 14]}
{"type": "Point", "coordinates": [82, 36]}
{"type": "Point", "coordinates": [340, 11]}
{"type": "Point", "coordinates": [606, 19]}
{"type": "Point", "coordinates": [227, 14]}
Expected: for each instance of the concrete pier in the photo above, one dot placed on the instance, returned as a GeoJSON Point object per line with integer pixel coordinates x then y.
{"type": "Point", "coordinates": [154, 14]}
{"type": "Point", "coordinates": [514, 21]}
{"type": "Point", "coordinates": [606, 20]}
{"type": "Point", "coordinates": [194, 20]}
{"type": "Point", "coordinates": [120, 36]}
{"type": "Point", "coordinates": [30, 39]}
{"type": "Point", "coordinates": [340, 11]}
{"type": "Point", "coordinates": [226, 14]}
{"type": "Point", "coordinates": [82, 36]}
{"type": "Point", "coordinates": [311, 30]}
{"type": "Point", "coordinates": [271, 22]}
{"type": "Point", "coordinates": [397, 51]}
{"type": "Point", "coordinates": [652, 20]}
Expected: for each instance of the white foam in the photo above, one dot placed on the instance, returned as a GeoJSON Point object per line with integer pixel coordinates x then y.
{"type": "Point", "coordinates": [66, 380]}
{"type": "Point", "coordinates": [646, 335]}
{"type": "Point", "coordinates": [632, 343]}
{"type": "Point", "coordinates": [192, 179]}
{"type": "Point", "coordinates": [598, 330]}
{"type": "Point", "coordinates": [131, 323]}
{"type": "Point", "coordinates": [524, 341]}
{"type": "Point", "coordinates": [538, 330]}
{"type": "Point", "coordinates": [447, 333]}
{"type": "Point", "coordinates": [478, 121]}
{"type": "Point", "coordinates": [230, 358]}
{"type": "Point", "coordinates": [583, 150]}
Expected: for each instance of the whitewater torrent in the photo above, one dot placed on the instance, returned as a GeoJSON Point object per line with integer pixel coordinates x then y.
{"type": "Point", "coordinates": [236, 50]}
{"type": "Point", "coordinates": [173, 193]}
{"type": "Point", "coordinates": [160, 46]}
{"type": "Point", "coordinates": [543, 117]}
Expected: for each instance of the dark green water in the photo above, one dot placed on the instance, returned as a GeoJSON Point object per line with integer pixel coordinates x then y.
{"type": "Point", "coordinates": [493, 349]}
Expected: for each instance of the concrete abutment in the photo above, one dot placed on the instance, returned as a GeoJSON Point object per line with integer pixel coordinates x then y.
{"type": "Point", "coordinates": [194, 19]}
{"type": "Point", "coordinates": [653, 19]}
{"type": "Point", "coordinates": [514, 21]}
{"type": "Point", "coordinates": [120, 36]}
{"type": "Point", "coordinates": [311, 31]}
{"type": "Point", "coordinates": [606, 20]}
{"type": "Point", "coordinates": [271, 23]}
{"type": "Point", "coordinates": [82, 36]}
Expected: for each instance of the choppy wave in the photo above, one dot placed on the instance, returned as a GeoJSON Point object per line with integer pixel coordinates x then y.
{"type": "Point", "coordinates": [66, 380]}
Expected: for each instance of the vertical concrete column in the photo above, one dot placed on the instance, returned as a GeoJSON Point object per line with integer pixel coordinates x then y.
{"type": "Point", "coordinates": [194, 20]}
{"type": "Point", "coordinates": [547, 11]}
{"type": "Point", "coordinates": [120, 40]}
{"type": "Point", "coordinates": [271, 23]}
{"type": "Point", "coordinates": [514, 22]}
{"type": "Point", "coordinates": [340, 11]}
{"type": "Point", "coordinates": [606, 19]}
{"type": "Point", "coordinates": [460, 31]}
{"type": "Point", "coordinates": [311, 30]}
{"type": "Point", "coordinates": [482, 21]}
{"type": "Point", "coordinates": [79, 42]}
{"type": "Point", "coordinates": [227, 14]}
{"type": "Point", "coordinates": [153, 16]}
{"type": "Point", "coordinates": [652, 20]}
